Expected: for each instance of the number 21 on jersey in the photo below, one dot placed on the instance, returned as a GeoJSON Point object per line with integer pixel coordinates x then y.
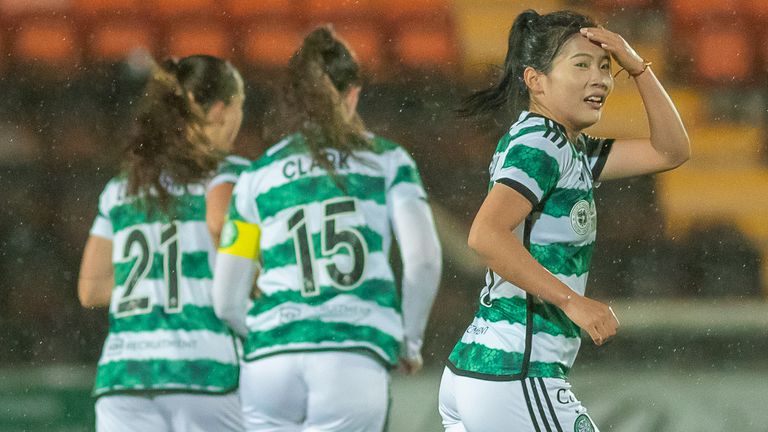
{"type": "Point", "coordinates": [137, 248]}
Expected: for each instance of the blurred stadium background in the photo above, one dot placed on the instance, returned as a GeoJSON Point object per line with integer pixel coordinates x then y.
{"type": "Point", "coordinates": [680, 255]}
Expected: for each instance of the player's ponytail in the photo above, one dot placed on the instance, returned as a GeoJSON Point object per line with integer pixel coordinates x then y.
{"type": "Point", "coordinates": [168, 144]}
{"type": "Point", "coordinates": [533, 41]}
{"type": "Point", "coordinates": [319, 75]}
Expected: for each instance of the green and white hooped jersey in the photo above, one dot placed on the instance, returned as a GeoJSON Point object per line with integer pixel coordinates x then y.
{"type": "Point", "coordinates": [326, 282]}
{"type": "Point", "coordinates": [515, 335]}
{"type": "Point", "coordinates": [163, 332]}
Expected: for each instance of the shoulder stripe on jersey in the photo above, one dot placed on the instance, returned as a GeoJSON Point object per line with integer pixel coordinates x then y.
{"type": "Point", "coordinates": [294, 193]}
{"type": "Point", "coordinates": [531, 413]}
{"type": "Point", "coordinates": [535, 392]}
{"type": "Point", "coordinates": [549, 404]}
{"type": "Point", "coordinates": [521, 189]}
{"type": "Point", "coordinates": [511, 137]}
{"type": "Point", "coordinates": [555, 133]}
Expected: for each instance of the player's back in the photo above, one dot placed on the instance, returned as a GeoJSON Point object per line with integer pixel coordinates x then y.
{"type": "Point", "coordinates": [326, 281]}
{"type": "Point", "coordinates": [163, 332]}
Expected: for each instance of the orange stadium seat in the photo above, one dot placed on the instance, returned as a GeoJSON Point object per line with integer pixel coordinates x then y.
{"type": "Point", "coordinates": [114, 39]}
{"type": "Point", "coordinates": [174, 8]}
{"type": "Point", "coordinates": [270, 45]}
{"type": "Point", "coordinates": [366, 41]}
{"type": "Point", "coordinates": [618, 4]}
{"type": "Point", "coordinates": [349, 10]}
{"type": "Point", "coordinates": [106, 7]}
{"type": "Point", "coordinates": [755, 8]}
{"type": "Point", "coordinates": [723, 55]}
{"type": "Point", "coordinates": [689, 11]}
{"type": "Point", "coordinates": [425, 47]}
{"type": "Point", "coordinates": [251, 8]}
{"type": "Point", "coordinates": [193, 37]}
{"type": "Point", "coordinates": [45, 39]}
{"type": "Point", "coordinates": [22, 7]}
{"type": "Point", "coordinates": [400, 9]}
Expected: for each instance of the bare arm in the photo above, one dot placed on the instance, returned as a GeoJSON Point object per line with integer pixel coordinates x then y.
{"type": "Point", "coordinates": [94, 285]}
{"type": "Point", "coordinates": [668, 147]}
{"type": "Point", "coordinates": [492, 237]}
{"type": "Point", "coordinates": [216, 207]}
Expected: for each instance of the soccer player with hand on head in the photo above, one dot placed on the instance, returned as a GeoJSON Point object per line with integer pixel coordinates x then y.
{"type": "Point", "coordinates": [318, 211]}
{"type": "Point", "coordinates": [536, 228]}
{"type": "Point", "coordinates": [168, 363]}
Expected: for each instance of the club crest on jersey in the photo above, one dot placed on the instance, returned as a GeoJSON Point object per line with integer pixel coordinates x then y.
{"type": "Point", "coordinates": [583, 424]}
{"type": "Point", "coordinates": [228, 234]}
{"type": "Point", "coordinates": [583, 217]}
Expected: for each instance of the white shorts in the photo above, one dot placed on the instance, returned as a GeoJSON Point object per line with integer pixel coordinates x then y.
{"type": "Point", "coordinates": [529, 405]}
{"type": "Point", "coordinates": [169, 412]}
{"type": "Point", "coordinates": [315, 391]}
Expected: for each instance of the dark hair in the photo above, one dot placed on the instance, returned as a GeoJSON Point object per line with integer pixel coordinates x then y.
{"type": "Point", "coordinates": [168, 144]}
{"type": "Point", "coordinates": [319, 74]}
{"type": "Point", "coordinates": [534, 41]}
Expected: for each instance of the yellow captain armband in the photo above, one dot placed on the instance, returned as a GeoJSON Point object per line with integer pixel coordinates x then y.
{"type": "Point", "coordinates": [240, 239]}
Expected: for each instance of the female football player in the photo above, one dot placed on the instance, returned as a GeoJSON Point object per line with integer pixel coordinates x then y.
{"type": "Point", "coordinates": [168, 363]}
{"type": "Point", "coordinates": [536, 228]}
{"type": "Point", "coordinates": [318, 211]}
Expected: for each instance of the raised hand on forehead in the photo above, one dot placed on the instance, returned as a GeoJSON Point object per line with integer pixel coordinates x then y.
{"type": "Point", "coordinates": [617, 47]}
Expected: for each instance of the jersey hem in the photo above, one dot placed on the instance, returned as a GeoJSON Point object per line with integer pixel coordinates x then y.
{"type": "Point", "coordinates": [161, 390]}
{"type": "Point", "coordinates": [362, 350]}
{"type": "Point", "coordinates": [500, 378]}
{"type": "Point", "coordinates": [483, 376]}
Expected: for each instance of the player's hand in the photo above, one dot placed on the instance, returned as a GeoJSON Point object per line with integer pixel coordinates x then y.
{"type": "Point", "coordinates": [411, 364]}
{"type": "Point", "coordinates": [617, 47]}
{"type": "Point", "coordinates": [594, 317]}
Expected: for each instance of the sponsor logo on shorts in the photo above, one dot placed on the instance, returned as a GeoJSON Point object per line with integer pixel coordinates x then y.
{"type": "Point", "coordinates": [565, 396]}
{"type": "Point", "coordinates": [228, 234]}
{"type": "Point", "coordinates": [583, 424]}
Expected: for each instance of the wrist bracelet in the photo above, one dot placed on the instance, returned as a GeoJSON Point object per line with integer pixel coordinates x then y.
{"type": "Point", "coordinates": [645, 66]}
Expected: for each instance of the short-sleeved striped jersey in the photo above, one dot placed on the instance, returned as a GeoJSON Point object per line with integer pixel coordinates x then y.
{"type": "Point", "coordinates": [514, 334]}
{"type": "Point", "coordinates": [163, 332]}
{"type": "Point", "coordinates": [326, 282]}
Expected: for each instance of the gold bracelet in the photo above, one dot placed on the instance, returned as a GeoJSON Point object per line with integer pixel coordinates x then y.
{"type": "Point", "coordinates": [629, 75]}
{"type": "Point", "coordinates": [645, 66]}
